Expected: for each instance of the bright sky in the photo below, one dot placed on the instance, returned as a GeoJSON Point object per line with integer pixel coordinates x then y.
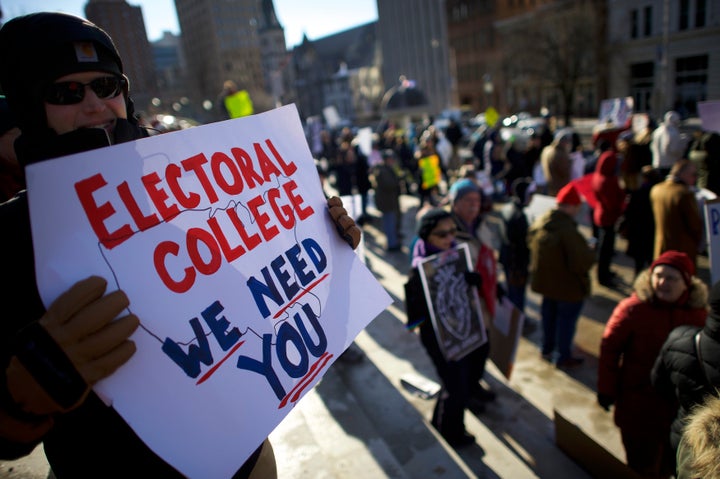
{"type": "Point", "coordinates": [315, 18]}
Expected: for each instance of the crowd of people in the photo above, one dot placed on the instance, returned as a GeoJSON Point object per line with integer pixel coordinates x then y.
{"type": "Point", "coordinates": [643, 187]}
{"type": "Point", "coordinates": [659, 351]}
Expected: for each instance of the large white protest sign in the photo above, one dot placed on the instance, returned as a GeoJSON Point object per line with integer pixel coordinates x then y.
{"type": "Point", "coordinates": [221, 238]}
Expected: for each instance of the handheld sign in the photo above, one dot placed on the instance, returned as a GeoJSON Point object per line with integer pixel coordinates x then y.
{"type": "Point", "coordinates": [221, 238]}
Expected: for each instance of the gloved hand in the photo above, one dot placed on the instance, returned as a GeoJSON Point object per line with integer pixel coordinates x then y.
{"type": "Point", "coordinates": [75, 344]}
{"type": "Point", "coordinates": [605, 401]}
{"type": "Point", "coordinates": [349, 231]}
{"type": "Point", "coordinates": [500, 292]}
{"type": "Point", "coordinates": [473, 278]}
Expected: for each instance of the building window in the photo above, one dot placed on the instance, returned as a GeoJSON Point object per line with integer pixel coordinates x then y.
{"type": "Point", "coordinates": [641, 84]}
{"type": "Point", "coordinates": [633, 23]}
{"type": "Point", "coordinates": [647, 25]}
{"type": "Point", "coordinates": [684, 15]}
{"type": "Point", "coordinates": [700, 8]}
{"type": "Point", "coordinates": [691, 75]}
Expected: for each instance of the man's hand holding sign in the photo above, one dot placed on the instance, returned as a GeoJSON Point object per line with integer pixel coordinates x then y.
{"type": "Point", "coordinates": [221, 239]}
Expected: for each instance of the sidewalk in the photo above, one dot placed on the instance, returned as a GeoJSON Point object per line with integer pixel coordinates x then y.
{"type": "Point", "coordinates": [516, 436]}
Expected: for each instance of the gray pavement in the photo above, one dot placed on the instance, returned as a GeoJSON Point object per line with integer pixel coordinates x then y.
{"type": "Point", "coordinates": [361, 422]}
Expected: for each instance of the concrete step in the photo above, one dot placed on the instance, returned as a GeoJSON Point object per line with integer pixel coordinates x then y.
{"type": "Point", "coordinates": [545, 421]}
{"type": "Point", "coordinates": [355, 423]}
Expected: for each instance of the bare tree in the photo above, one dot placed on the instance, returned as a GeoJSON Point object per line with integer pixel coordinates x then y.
{"type": "Point", "coordinates": [555, 48]}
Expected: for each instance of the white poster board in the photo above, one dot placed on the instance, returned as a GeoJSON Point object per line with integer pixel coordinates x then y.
{"type": "Point", "coordinates": [709, 112]}
{"type": "Point", "coordinates": [221, 238]}
{"type": "Point", "coordinates": [616, 111]}
{"type": "Point", "coordinates": [541, 204]}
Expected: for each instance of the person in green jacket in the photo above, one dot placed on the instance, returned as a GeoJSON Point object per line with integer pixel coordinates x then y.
{"type": "Point", "coordinates": [237, 102]}
{"type": "Point", "coordinates": [560, 264]}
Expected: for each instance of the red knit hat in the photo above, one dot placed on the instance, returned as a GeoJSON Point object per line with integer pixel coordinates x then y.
{"type": "Point", "coordinates": [678, 260]}
{"type": "Point", "coordinates": [568, 195]}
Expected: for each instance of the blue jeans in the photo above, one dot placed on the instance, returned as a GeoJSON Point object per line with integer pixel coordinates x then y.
{"type": "Point", "coordinates": [559, 319]}
{"type": "Point", "coordinates": [389, 226]}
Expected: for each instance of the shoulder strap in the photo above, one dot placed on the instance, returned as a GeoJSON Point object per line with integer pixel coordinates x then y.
{"type": "Point", "coordinates": [700, 358]}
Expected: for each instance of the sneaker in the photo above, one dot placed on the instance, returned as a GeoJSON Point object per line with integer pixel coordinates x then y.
{"type": "Point", "coordinates": [464, 440]}
{"type": "Point", "coordinates": [570, 363]}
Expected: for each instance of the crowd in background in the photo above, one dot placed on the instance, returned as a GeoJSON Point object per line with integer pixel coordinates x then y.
{"type": "Point", "coordinates": [645, 186]}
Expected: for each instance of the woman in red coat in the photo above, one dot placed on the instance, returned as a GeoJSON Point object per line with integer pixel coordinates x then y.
{"type": "Point", "coordinates": [610, 206]}
{"type": "Point", "coordinates": [666, 295]}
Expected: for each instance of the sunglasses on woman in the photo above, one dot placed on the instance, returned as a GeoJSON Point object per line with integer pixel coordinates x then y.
{"type": "Point", "coordinates": [444, 233]}
{"type": "Point", "coordinates": [72, 92]}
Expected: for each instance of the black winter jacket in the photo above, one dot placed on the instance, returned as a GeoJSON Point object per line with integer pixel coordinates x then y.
{"type": "Point", "coordinates": [678, 374]}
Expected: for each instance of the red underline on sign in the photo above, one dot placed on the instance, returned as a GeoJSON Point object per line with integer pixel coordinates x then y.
{"type": "Point", "coordinates": [315, 369]}
{"type": "Point", "coordinates": [214, 368]}
{"type": "Point", "coordinates": [304, 291]}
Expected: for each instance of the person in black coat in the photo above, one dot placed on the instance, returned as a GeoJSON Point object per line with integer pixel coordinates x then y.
{"type": "Point", "coordinates": [638, 223]}
{"type": "Point", "coordinates": [436, 233]}
{"type": "Point", "coordinates": [679, 373]}
{"type": "Point", "coordinates": [65, 86]}
{"type": "Point", "coordinates": [514, 251]}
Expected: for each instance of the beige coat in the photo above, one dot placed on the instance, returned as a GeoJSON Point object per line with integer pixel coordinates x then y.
{"type": "Point", "coordinates": [678, 224]}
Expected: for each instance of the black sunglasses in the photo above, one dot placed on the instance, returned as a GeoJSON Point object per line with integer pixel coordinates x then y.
{"type": "Point", "coordinates": [72, 92]}
{"type": "Point", "coordinates": [444, 233]}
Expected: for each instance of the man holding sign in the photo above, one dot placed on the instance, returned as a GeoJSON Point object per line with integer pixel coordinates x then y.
{"type": "Point", "coordinates": [64, 82]}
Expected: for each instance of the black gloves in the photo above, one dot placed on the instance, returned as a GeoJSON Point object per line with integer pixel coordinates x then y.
{"type": "Point", "coordinates": [472, 278]}
{"type": "Point", "coordinates": [605, 401]}
{"type": "Point", "coordinates": [500, 292]}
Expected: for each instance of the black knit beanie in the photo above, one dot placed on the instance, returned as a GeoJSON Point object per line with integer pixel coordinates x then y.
{"type": "Point", "coordinates": [429, 221]}
{"type": "Point", "coordinates": [39, 48]}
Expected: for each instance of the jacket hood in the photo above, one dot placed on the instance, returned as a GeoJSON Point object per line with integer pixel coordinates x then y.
{"type": "Point", "coordinates": [672, 118]}
{"type": "Point", "coordinates": [698, 296]}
